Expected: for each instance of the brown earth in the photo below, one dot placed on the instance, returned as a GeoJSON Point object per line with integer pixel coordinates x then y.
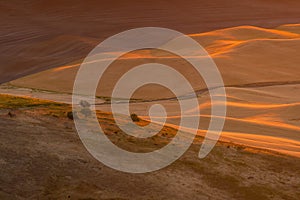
{"type": "Point", "coordinates": [38, 35]}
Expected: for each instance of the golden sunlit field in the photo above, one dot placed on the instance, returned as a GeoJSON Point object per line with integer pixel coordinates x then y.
{"type": "Point", "coordinates": [258, 67]}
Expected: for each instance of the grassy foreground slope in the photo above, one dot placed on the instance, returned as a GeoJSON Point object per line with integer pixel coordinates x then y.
{"type": "Point", "coordinates": [42, 157]}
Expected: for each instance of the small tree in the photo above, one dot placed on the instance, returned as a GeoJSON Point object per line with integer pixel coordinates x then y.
{"type": "Point", "coordinates": [134, 117]}
{"type": "Point", "coordinates": [70, 115]}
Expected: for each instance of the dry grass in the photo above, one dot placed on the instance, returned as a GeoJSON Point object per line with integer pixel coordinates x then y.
{"type": "Point", "coordinates": [42, 157]}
